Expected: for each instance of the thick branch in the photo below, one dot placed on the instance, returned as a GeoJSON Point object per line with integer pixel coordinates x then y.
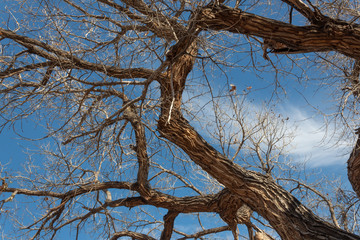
{"type": "Point", "coordinates": [141, 151]}
{"type": "Point", "coordinates": [169, 220]}
{"type": "Point", "coordinates": [354, 166]}
{"type": "Point", "coordinates": [190, 204]}
{"type": "Point", "coordinates": [133, 235]}
{"type": "Point", "coordinates": [206, 203]}
{"type": "Point", "coordinates": [257, 191]}
{"type": "Point", "coordinates": [72, 193]}
{"type": "Point", "coordinates": [204, 232]}
{"type": "Point", "coordinates": [332, 35]}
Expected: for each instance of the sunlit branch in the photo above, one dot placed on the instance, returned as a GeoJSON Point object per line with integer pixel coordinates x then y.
{"type": "Point", "coordinates": [75, 192]}
{"type": "Point", "coordinates": [326, 200]}
{"type": "Point", "coordinates": [141, 151]}
{"type": "Point", "coordinates": [61, 57]}
{"type": "Point", "coordinates": [178, 176]}
{"type": "Point", "coordinates": [314, 16]}
{"type": "Point", "coordinates": [134, 235]}
{"type": "Point", "coordinates": [328, 36]}
{"type": "Point", "coordinates": [157, 22]}
{"type": "Point", "coordinates": [10, 72]}
{"type": "Point", "coordinates": [202, 233]}
{"type": "Point", "coordinates": [169, 219]}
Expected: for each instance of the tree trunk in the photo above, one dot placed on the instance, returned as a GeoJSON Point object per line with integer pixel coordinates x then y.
{"type": "Point", "coordinates": [284, 212]}
{"type": "Point", "coordinates": [354, 166]}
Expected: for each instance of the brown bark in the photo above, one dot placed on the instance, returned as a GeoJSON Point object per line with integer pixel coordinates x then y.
{"type": "Point", "coordinates": [327, 35]}
{"type": "Point", "coordinates": [65, 60]}
{"type": "Point", "coordinates": [142, 183]}
{"type": "Point", "coordinates": [259, 192]}
{"type": "Point", "coordinates": [233, 211]}
{"type": "Point", "coordinates": [217, 203]}
{"type": "Point", "coordinates": [354, 166]}
{"type": "Point", "coordinates": [314, 16]}
{"type": "Point", "coordinates": [191, 204]}
{"type": "Point", "coordinates": [133, 235]}
{"type": "Point", "coordinates": [169, 220]}
{"type": "Point", "coordinates": [284, 212]}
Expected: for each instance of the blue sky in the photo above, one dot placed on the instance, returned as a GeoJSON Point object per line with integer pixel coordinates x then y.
{"type": "Point", "coordinates": [310, 144]}
{"type": "Point", "coordinates": [313, 143]}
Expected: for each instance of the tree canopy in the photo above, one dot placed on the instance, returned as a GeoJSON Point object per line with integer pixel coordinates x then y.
{"type": "Point", "coordinates": [143, 127]}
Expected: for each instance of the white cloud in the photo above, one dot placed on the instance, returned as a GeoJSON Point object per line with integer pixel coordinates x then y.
{"type": "Point", "coordinates": [313, 143]}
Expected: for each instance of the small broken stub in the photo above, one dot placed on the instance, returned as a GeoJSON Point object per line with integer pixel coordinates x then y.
{"type": "Point", "coordinates": [276, 47]}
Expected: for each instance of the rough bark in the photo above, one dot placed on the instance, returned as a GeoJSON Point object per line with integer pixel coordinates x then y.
{"type": "Point", "coordinates": [233, 211]}
{"type": "Point", "coordinates": [260, 193]}
{"type": "Point", "coordinates": [284, 212]}
{"type": "Point", "coordinates": [133, 235]}
{"type": "Point", "coordinates": [327, 35]}
{"type": "Point", "coordinates": [142, 183]}
{"type": "Point", "coordinates": [169, 220]}
{"type": "Point", "coordinates": [354, 166]}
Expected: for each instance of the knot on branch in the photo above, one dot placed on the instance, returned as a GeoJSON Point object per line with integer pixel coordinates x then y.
{"type": "Point", "coordinates": [232, 210]}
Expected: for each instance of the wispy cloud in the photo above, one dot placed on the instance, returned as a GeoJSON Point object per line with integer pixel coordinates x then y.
{"type": "Point", "coordinates": [313, 142]}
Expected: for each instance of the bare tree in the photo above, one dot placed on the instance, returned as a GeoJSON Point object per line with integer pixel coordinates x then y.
{"type": "Point", "coordinates": [123, 90]}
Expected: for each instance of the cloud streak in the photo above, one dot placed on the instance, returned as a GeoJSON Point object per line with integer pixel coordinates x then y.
{"type": "Point", "coordinates": [312, 142]}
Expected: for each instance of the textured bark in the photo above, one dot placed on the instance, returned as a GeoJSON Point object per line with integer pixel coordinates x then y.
{"type": "Point", "coordinates": [133, 235]}
{"type": "Point", "coordinates": [327, 35]}
{"type": "Point", "coordinates": [142, 183]}
{"type": "Point", "coordinates": [169, 220]}
{"type": "Point", "coordinates": [245, 191]}
{"type": "Point", "coordinates": [191, 204]}
{"type": "Point", "coordinates": [284, 212]}
{"type": "Point", "coordinates": [233, 211]}
{"type": "Point", "coordinates": [354, 166]}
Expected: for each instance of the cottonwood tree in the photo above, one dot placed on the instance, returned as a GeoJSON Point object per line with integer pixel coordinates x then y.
{"type": "Point", "coordinates": [122, 90]}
